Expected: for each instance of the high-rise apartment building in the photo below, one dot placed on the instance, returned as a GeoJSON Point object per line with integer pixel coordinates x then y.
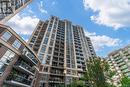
{"type": "Point", "coordinates": [8, 8]}
{"type": "Point", "coordinates": [63, 50]}
{"type": "Point", "coordinates": [119, 61]}
{"type": "Point", "coordinates": [19, 65]}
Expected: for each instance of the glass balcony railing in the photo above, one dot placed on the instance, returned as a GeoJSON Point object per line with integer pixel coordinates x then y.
{"type": "Point", "coordinates": [19, 79]}
{"type": "Point", "coordinates": [30, 57]}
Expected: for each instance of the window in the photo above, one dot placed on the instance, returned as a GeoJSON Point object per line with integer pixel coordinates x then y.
{"type": "Point", "coordinates": [45, 69]}
{"type": "Point", "coordinates": [51, 42]}
{"type": "Point", "coordinates": [47, 34]}
{"type": "Point", "coordinates": [33, 39]}
{"type": "Point", "coordinates": [16, 44]}
{"type": "Point", "coordinates": [49, 29]}
{"type": "Point", "coordinates": [43, 61]}
{"type": "Point", "coordinates": [53, 36]}
{"type": "Point", "coordinates": [50, 50]}
{"type": "Point", "coordinates": [6, 36]}
{"type": "Point", "coordinates": [43, 49]}
{"type": "Point", "coordinates": [45, 41]}
{"type": "Point", "coordinates": [48, 57]}
{"type": "Point", "coordinates": [41, 56]}
{"type": "Point", "coordinates": [5, 60]}
{"type": "Point", "coordinates": [54, 30]}
{"type": "Point", "coordinates": [31, 45]}
{"type": "Point", "coordinates": [44, 78]}
{"type": "Point", "coordinates": [2, 67]}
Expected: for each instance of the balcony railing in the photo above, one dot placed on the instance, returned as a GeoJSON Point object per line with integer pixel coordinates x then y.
{"type": "Point", "coordinates": [25, 66]}
{"type": "Point", "coordinates": [30, 57]}
{"type": "Point", "coordinates": [19, 79]}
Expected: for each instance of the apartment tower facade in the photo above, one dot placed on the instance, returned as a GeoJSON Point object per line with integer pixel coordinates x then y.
{"type": "Point", "coordinates": [8, 8]}
{"type": "Point", "coordinates": [63, 50]}
{"type": "Point", "coordinates": [119, 61]}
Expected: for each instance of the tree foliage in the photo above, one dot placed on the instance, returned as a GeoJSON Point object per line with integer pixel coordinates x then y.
{"type": "Point", "coordinates": [96, 74]}
{"type": "Point", "coordinates": [125, 82]}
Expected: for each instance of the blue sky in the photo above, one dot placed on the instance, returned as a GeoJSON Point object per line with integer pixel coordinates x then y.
{"type": "Point", "coordinates": [105, 22]}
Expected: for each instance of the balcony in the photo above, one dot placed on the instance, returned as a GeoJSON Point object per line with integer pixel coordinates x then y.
{"type": "Point", "coordinates": [57, 72]}
{"type": "Point", "coordinates": [25, 68]}
{"type": "Point", "coordinates": [30, 58]}
{"type": "Point", "coordinates": [18, 81]}
{"type": "Point", "coordinates": [56, 80]}
{"type": "Point", "coordinates": [117, 58]}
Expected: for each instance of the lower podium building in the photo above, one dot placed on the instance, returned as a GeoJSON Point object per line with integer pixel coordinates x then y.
{"type": "Point", "coordinates": [19, 65]}
{"type": "Point", "coordinates": [62, 49]}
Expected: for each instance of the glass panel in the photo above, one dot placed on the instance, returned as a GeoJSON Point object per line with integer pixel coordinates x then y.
{"type": "Point", "coordinates": [5, 60]}
{"type": "Point", "coordinates": [45, 41]}
{"type": "Point", "coordinates": [2, 67]}
{"type": "Point", "coordinates": [50, 50]}
{"type": "Point", "coordinates": [6, 36]}
{"type": "Point", "coordinates": [47, 34]}
{"type": "Point", "coordinates": [51, 42]}
{"type": "Point", "coordinates": [43, 49]}
{"type": "Point", "coordinates": [16, 44]}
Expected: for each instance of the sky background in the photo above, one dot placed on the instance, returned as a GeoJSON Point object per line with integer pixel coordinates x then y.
{"type": "Point", "coordinates": [106, 22]}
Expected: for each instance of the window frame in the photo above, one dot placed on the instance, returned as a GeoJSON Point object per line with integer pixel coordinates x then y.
{"type": "Point", "coordinates": [16, 44]}
{"type": "Point", "coordinates": [4, 36]}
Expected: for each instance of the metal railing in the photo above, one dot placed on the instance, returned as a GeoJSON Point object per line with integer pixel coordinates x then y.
{"type": "Point", "coordinates": [19, 79]}
{"type": "Point", "coordinates": [26, 66]}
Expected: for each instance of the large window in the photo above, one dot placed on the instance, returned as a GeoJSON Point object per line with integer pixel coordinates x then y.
{"type": "Point", "coordinates": [43, 49]}
{"type": "Point", "coordinates": [51, 42]}
{"type": "Point", "coordinates": [53, 36]}
{"type": "Point", "coordinates": [33, 39]}
{"type": "Point", "coordinates": [6, 36]}
{"type": "Point", "coordinates": [16, 44]}
{"type": "Point", "coordinates": [41, 56]}
{"type": "Point", "coordinates": [50, 50]}
{"type": "Point", "coordinates": [45, 40]}
{"type": "Point", "coordinates": [47, 34]}
{"type": "Point", "coordinates": [5, 60]}
{"type": "Point", "coordinates": [49, 29]}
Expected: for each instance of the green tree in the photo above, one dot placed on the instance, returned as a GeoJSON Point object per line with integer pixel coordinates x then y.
{"type": "Point", "coordinates": [98, 72]}
{"type": "Point", "coordinates": [77, 83]}
{"type": "Point", "coordinates": [95, 73]}
{"type": "Point", "coordinates": [95, 76]}
{"type": "Point", "coordinates": [125, 82]}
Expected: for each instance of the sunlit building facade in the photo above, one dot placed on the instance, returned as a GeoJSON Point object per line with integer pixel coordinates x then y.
{"type": "Point", "coordinates": [119, 61]}
{"type": "Point", "coordinates": [8, 8]}
{"type": "Point", "coordinates": [63, 50]}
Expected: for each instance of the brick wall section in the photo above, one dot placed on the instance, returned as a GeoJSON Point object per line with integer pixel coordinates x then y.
{"type": "Point", "coordinates": [3, 49]}
{"type": "Point", "coordinates": [9, 67]}
{"type": "Point", "coordinates": [38, 78]}
{"type": "Point", "coordinates": [1, 30]}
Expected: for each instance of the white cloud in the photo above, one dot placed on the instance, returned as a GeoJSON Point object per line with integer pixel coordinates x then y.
{"type": "Point", "coordinates": [41, 8]}
{"type": "Point", "coordinates": [101, 41]}
{"type": "Point", "coordinates": [53, 3]}
{"type": "Point", "coordinates": [112, 13]}
{"type": "Point", "coordinates": [23, 24]}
